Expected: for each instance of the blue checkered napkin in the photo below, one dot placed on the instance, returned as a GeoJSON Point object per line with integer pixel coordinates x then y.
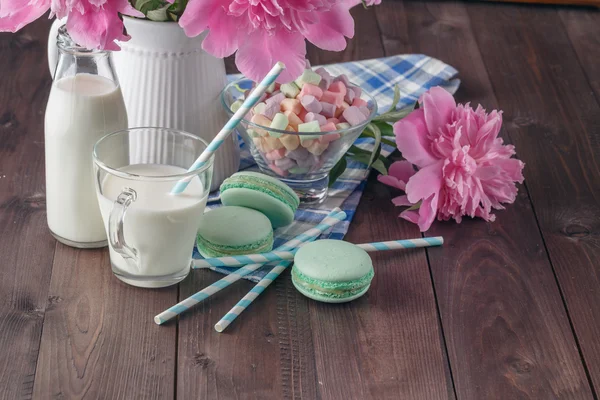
{"type": "Point", "coordinates": [415, 74]}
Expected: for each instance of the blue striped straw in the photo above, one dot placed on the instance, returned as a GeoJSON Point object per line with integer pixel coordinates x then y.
{"type": "Point", "coordinates": [275, 272]}
{"type": "Point", "coordinates": [281, 255]}
{"type": "Point", "coordinates": [251, 296]}
{"type": "Point", "coordinates": [231, 124]}
{"type": "Point", "coordinates": [335, 216]}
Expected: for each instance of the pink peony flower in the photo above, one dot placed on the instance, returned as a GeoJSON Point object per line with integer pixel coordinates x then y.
{"type": "Point", "coordinates": [265, 31]}
{"type": "Point", "coordinates": [261, 31]}
{"type": "Point", "coordinates": [463, 166]}
{"type": "Point", "coordinates": [91, 23]}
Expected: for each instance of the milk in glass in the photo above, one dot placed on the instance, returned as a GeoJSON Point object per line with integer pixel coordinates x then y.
{"type": "Point", "coordinates": [161, 227]}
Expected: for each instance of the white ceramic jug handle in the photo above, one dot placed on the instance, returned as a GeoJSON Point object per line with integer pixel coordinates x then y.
{"type": "Point", "coordinates": [52, 46]}
{"type": "Point", "coordinates": [116, 236]}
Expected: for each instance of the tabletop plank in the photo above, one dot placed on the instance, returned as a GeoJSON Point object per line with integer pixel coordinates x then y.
{"type": "Point", "coordinates": [554, 123]}
{"type": "Point", "coordinates": [502, 316]}
{"type": "Point", "coordinates": [583, 28]}
{"type": "Point", "coordinates": [384, 345]}
{"type": "Point", "coordinates": [99, 339]}
{"type": "Point", "coordinates": [506, 329]}
{"type": "Point", "coordinates": [25, 244]}
{"type": "Point", "coordinates": [388, 344]}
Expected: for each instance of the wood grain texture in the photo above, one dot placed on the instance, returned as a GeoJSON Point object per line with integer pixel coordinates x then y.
{"type": "Point", "coordinates": [241, 363]}
{"type": "Point", "coordinates": [595, 3]}
{"type": "Point", "coordinates": [555, 125]}
{"type": "Point", "coordinates": [69, 329]}
{"type": "Point", "coordinates": [583, 28]}
{"type": "Point", "coordinates": [25, 244]}
{"type": "Point", "coordinates": [387, 344]}
{"type": "Point", "coordinates": [504, 322]}
{"type": "Point", "coordinates": [99, 339]}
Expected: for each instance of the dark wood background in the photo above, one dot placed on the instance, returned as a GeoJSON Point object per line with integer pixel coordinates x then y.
{"type": "Point", "coordinates": [505, 310]}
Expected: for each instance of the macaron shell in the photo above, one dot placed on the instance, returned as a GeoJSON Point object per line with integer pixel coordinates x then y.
{"type": "Point", "coordinates": [333, 261]}
{"type": "Point", "coordinates": [332, 266]}
{"type": "Point", "coordinates": [232, 231]}
{"type": "Point", "coordinates": [263, 193]}
{"type": "Point", "coordinates": [277, 212]}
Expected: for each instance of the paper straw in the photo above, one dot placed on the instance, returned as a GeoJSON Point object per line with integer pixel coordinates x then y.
{"type": "Point", "coordinates": [236, 261]}
{"type": "Point", "coordinates": [276, 271]}
{"type": "Point", "coordinates": [251, 296]}
{"type": "Point", "coordinates": [235, 119]}
{"type": "Point", "coordinates": [331, 219]}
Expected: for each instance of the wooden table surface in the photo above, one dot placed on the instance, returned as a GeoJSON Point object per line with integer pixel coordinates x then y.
{"type": "Point", "coordinates": [505, 310]}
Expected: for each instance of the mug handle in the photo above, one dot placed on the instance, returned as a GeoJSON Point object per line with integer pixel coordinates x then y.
{"type": "Point", "coordinates": [116, 219]}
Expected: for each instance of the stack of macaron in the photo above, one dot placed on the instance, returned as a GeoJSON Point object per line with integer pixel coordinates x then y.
{"type": "Point", "coordinates": [253, 205]}
{"type": "Point", "coordinates": [313, 109]}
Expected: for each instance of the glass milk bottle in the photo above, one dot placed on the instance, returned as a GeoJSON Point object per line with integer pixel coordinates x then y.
{"type": "Point", "coordinates": [85, 104]}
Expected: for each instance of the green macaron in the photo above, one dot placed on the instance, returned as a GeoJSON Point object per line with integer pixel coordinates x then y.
{"type": "Point", "coordinates": [229, 231]}
{"type": "Point", "coordinates": [261, 192]}
{"type": "Point", "coordinates": [332, 271]}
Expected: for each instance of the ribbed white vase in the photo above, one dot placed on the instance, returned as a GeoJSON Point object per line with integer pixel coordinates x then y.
{"type": "Point", "coordinates": [168, 81]}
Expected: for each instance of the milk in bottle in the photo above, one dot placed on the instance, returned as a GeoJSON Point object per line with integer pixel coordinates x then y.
{"type": "Point", "coordinates": [85, 104]}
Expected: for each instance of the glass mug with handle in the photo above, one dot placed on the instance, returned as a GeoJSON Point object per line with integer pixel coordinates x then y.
{"type": "Point", "coordinates": [151, 232]}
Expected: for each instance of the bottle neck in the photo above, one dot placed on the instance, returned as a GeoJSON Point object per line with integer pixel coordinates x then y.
{"type": "Point", "coordinates": [75, 59]}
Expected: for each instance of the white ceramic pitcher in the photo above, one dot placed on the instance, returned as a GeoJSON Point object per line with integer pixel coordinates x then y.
{"type": "Point", "coordinates": [168, 81]}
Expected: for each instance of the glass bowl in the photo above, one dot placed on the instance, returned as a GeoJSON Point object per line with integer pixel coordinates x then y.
{"type": "Point", "coordinates": [307, 172]}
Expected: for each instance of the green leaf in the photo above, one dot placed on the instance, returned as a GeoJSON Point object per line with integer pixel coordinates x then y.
{"type": "Point", "coordinates": [140, 4]}
{"type": "Point", "coordinates": [149, 5]}
{"type": "Point", "coordinates": [396, 99]}
{"type": "Point", "coordinates": [159, 15]}
{"type": "Point", "coordinates": [337, 170]}
{"type": "Point", "coordinates": [415, 206]}
{"type": "Point", "coordinates": [388, 142]}
{"type": "Point", "coordinates": [369, 134]}
{"type": "Point", "coordinates": [395, 116]}
{"type": "Point", "coordinates": [385, 128]}
{"type": "Point", "coordinates": [379, 165]}
{"type": "Point", "coordinates": [357, 150]}
{"type": "Point", "coordinates": [377, 145]}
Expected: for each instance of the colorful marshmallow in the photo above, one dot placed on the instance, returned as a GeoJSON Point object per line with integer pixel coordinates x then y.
{"type": "Point", "coordinates": [280, 122]}
{"type": "Point", "coordinates": [317, 105]}
{"type": "Point", "coordinates": [290, 90]}
{"type": "Point", "coordinates": [311, 104]}
{"type": "Point", "coordinates": [308, 76]}
{"type": "Point", "coordinates": [353, 115]}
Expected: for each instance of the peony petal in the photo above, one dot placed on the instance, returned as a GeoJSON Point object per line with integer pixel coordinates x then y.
{"type": "Point", "coordinates": [398, 174]}
{"type": "Point", "coordinates": [412, 139]}
{"type": "Point", "coordinates": [14, 14]}
{"type": "Point", "coordinates": [222, 39]}
{"type": "Point", "coordinates": [198, 16]}
{"type": "Point", "coordinates": [439, 106]}
{"type": "Point", "coordinates": [427, 212]}
{"type": "Point", "coordinates": [330, 32]}
{"type": "Point", "coordinates": [410, 216]}
{"type": "Point", "coordinates": [402, 170]}
{"type": "Point", "coordinates": [401, 201]}
{"type": "Point", "coordinates": [260, 51]}
{"type": "Point", "coordinates": [425, 182]}
{"type": "Point", "coordinates": [391, 181]}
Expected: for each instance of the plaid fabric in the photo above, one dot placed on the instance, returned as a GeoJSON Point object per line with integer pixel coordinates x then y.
{"type": "Point", "coordinates": [415, 74]}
